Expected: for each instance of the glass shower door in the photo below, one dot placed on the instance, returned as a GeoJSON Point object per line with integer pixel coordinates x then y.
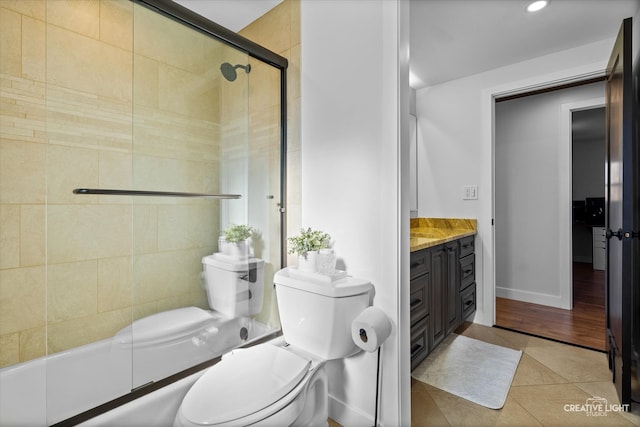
{"type": "Point", "coordinates": [199, 126]}
{"type": "Point", "coordinates": [102, 289]}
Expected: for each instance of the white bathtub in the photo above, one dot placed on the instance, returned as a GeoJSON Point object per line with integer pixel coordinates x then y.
{"type": "Point", "coordinates": [53, 388]}
{"type": "Point", "coordinates": [157, 409]}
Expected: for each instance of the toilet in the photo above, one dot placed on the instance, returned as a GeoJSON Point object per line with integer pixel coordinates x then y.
{"type": "Point", "coordinates": [283, 382]}
{"type": "Point", "coordinates": [234, 286]}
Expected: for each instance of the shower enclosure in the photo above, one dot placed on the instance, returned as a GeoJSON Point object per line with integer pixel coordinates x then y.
{"type": "Point", "coordinates": [133, 133]}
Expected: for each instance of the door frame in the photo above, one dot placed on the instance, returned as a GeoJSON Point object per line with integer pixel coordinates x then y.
{"type": "Point", "coordinates": [488, 97]}
{"type": "Point", "coordinates": [566, 139]}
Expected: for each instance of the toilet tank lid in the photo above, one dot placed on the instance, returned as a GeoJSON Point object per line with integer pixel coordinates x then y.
{"type": "Point", "coordinates": [229, 263]}
{"type": "Point", "coordinates": [243, 382]}
{"type": "Point", "coordinates": [165, 326]}
{"type": "Point", "coordinates": [347, 287]}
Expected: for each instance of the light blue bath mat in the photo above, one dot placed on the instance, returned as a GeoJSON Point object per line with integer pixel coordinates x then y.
{"type": "Point", "coordinates": [472, 369]}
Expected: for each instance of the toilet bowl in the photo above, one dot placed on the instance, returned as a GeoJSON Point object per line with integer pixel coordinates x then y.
{"type": "Point", "coordinates": [283, 382]}
{"type": "Point", "coordinates": [265, 385]}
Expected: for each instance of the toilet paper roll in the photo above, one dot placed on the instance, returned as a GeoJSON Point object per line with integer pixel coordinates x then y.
{"type": "Point", "coordinates": [370, 329]}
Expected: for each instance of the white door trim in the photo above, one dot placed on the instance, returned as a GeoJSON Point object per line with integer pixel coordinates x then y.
{"type": "Point", "coordinates": [489, 96]}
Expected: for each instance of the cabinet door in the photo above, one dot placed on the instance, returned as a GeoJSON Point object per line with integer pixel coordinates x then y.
{"type": "Point", "coordinates": [452, 294]}
{"type": "Point", "coordinates": [467, 271]}
{"type": "Point", "coordinates": [438, 292]}
{"type": "Point", "coordinates": [419, 342]}
{"type": "Point", "coordinates": [419, 298]}
{"type": "Point", "coordinates": [419, 263]}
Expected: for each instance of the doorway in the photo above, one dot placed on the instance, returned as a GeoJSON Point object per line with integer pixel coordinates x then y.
{"type": "Point", "coordinates": [539, 172]}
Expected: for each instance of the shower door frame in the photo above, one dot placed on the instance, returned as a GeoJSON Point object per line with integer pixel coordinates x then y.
{"type": "Point", "coordinates": [191, 19]}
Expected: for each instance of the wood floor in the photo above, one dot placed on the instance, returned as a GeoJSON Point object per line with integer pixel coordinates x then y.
{"type": "Point", "coordinates": [583, 326]}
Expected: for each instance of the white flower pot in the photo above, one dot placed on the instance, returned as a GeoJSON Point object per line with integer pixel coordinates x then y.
{"type": "Point", "coordinates": [307, 261]}
{"type": "Point", "coordinates": [224, 247]}
{"type": "Point", "coordinates": [239, 250]}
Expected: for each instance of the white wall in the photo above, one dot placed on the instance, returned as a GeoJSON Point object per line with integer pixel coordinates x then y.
{"type": "Point", "coordinates": [455, 126]}
{"type": "Point", "coordinates": [529, 202]}
{"type": "Point", "coordinates": [351, 180]}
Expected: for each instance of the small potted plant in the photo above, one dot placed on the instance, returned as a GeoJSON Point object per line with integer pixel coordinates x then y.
{"type": "Point", "coordinates": [306, 245]}
{"type": "Point", "coordinates": [236, 237]}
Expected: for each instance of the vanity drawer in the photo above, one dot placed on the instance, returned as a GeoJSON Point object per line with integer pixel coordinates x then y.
{"type": "Point", "coordinates": [467, 246]}
{"type": "Point", "coordinates": [419, 298]}
{"type": "Point", "coordinates": [468, 298]}
{"type": "Point", "coordinates": [419, 263]}
{"type": "Point", "coordinates": [419, 342]}
{"type": "Point", "coordinates": [467, 271]}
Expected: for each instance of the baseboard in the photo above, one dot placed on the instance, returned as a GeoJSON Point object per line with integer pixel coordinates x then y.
{"type": "Point", "coordinates": [532, 297]}
{"type": "Point", "coordinates": [345, 415]}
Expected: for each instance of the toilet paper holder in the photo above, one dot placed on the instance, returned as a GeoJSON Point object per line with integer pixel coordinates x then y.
{"type": "Point", "coordinates": [370, 329]}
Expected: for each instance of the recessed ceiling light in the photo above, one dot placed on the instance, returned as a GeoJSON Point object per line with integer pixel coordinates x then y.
{"type": "Point", "coordinates": [537, 5]}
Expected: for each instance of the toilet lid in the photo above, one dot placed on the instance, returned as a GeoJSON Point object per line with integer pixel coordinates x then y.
{"type": "Point", "coordinates": [243, 382]}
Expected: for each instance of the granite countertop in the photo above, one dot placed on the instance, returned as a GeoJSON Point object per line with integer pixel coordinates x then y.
{"type": "Point", "coordinates": [429, 232]}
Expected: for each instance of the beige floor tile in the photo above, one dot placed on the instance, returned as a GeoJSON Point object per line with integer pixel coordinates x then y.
{"type": "Point", "coordinates": [532, 372]}
{"type": "Point", "coordinates": [424, 411]}
{"type": "Point", "coordinates": [573, 363]}
{"type": "Point", "coordinates": [461, 412]}
{"type": "Point", "coordinates": [550, 376]}
{"type": "Point", "coordinates": [560, 405]}
{"type": "Point", "coordinates": [607, 390]}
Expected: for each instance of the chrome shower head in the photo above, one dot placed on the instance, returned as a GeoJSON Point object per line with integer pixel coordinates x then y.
{"type": "Point", "coordinates": [229, 71]}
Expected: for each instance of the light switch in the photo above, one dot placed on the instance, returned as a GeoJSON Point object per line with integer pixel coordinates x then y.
{"type": "Point", "coordinates": [470, 192]}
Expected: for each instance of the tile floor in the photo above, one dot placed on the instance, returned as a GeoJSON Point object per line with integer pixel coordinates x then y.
{"type": "Point", "coordinates": [550, 375]}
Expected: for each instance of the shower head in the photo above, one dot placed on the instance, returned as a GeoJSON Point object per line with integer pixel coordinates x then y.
{"type": "Point", "coordinates": [229, 71]}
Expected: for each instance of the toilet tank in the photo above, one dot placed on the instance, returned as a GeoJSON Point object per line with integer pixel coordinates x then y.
{"type": "Point", "coordinates": [316, 317]}
{"type": "Point", "coordinates": [234, 287]}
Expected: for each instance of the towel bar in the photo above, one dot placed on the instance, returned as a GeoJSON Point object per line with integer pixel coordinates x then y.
{"type": "Point", "coordinates": [110, 192]}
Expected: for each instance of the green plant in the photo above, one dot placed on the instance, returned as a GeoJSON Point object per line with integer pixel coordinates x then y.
{"type": "Point", "coordinates": [237, 233]}
{"type": "Point", "coordinates": [308, 240]}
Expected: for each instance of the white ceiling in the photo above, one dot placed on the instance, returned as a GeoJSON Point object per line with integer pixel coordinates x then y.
{"type": "Point", "coordinates": [451, 39]}
{"type": "Point", "coordinates": [231, 14]}
{"type": "Point", "coordinates": [457, 38]}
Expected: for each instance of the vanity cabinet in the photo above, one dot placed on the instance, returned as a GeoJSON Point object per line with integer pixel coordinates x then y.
{"type": "Point", "coordinates": [419, 304]}
{"type": "Point", "coordinates": [467, 280]}
{"type": "Point", "coordinates": [443, 293]}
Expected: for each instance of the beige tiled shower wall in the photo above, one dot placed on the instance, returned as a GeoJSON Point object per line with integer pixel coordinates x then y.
{"type": "Point", "coordinates": [279, 31]}
{"type": "Point", "coordinates": [74, 97]}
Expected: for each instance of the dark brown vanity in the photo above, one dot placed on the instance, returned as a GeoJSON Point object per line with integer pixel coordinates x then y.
{"type": "Point", "coordinates": [443, 288]}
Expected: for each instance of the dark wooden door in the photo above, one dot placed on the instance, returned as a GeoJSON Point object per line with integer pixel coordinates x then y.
{"type": "Point", "coordinates": [621, 213]}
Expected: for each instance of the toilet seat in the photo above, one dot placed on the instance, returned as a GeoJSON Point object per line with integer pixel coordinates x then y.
{"type": "Point", "coordinates": [244, 382]}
